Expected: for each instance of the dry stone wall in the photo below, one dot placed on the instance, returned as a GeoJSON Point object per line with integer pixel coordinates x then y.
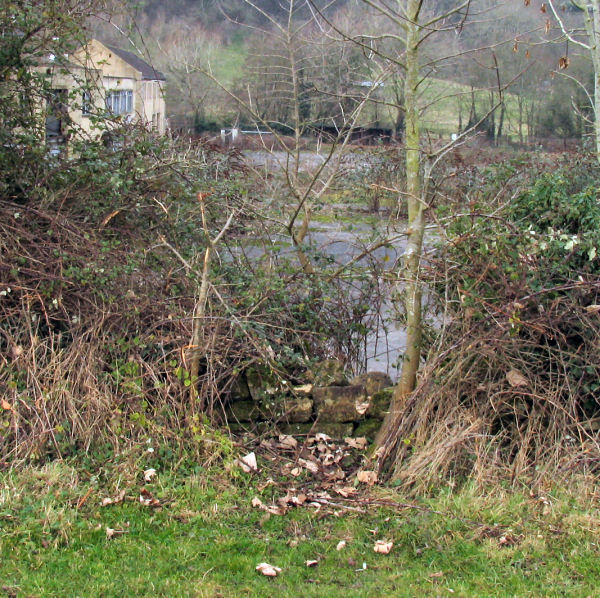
{"type": "Point", "coordinates": [328, 403]}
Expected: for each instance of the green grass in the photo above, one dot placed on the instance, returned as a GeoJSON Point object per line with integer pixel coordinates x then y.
{"type": "Point", "coordinates": [228, 64]}
{"type": "Point", "coordinates": [439, 100]}
{"type": "Point", "coordinates": [207, 541]}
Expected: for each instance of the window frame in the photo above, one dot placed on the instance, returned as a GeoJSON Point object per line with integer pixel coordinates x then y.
{"type": "Point", "coordinates": [119, 101]}
{"type": "Point", "coordinates": [86, 103]}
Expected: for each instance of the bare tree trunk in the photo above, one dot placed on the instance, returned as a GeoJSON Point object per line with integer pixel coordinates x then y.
{"type": "Point", "coordinates": [197, 332]}
{"type": "Point", "coordinates": [500, 123]}
{"type": "Point", "coordinates": [200, 309]}
{"type": "Point", "coordinates": [416, 224]}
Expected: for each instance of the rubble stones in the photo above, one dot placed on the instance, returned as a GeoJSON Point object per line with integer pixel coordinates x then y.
{"type": "Point", "coordinates": [372, 382]}
{"type": "Point", "coordinates": [338, 403]}
{"type": "Point", "coordinates": [327, 404]}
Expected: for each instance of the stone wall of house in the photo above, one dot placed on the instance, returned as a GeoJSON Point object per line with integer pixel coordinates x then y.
{"type": "Point", "coordinates": [328, 403]}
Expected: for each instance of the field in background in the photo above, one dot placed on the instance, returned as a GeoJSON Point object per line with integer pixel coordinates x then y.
{"type": "Point", "coordinates": [441, 100]}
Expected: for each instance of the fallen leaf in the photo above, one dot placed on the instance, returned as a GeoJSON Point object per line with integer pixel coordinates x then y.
{"type": "Point", "coordinates": [288, 441]}
{"type": "Point", "coordinates": [248, 463]}
{"type": "Point", "coordinates": [149, 474]}
{"type": "Point", "coordinates": [357, 443]}
{"type": "Point", "coordinates": [275, 510]}
{"type": "Point", "coordinates": [341, 545]}
{"type": "Point", "coordinates": [310, 465]}
{"type": "Point", "coordinates": [345, 491]}
{"type": "Point", "coordinates": [336, 474]}
{"type": "Point", "coordinates": [322, 437]}
{"type": "Point", "coordinates": [272, 509]}
{"type": "Point", "coordinates": [147, 499]}
{"type": "Point", "coordinates": [305, 389]}
{"type": "Point", "coordinates": [111, 533]}
{"type": "Point", "coordinates": [110, 217]}
{"type": "Point", "coordinates": [295, 472]}
{"type": "Point", "coordinates": [286, 468]}
{"type": "Point", "coordinates": [516, 378]}
{"type": "Point", "coordinates": [437, 574]}
{"type": "Point", "coordinates": [383, 547]}
{"type": "Point", "coordinates": [267, 444]}
{"type": "Point", "coordinates": [293, 499]}
{"type": "Point", "coordinates": [329, 459]}
{"type": "Point", "coordinates": [593, 308]}
{"type": "Point", "coordinates": [268, 570]}
{"type": "Point", "coordinates": [298, 500]}
{"type": "Point", "coordinates": [361, 408]}
{"type": "Point", "coordinates": [323, 495]}
{"type": "Point", "coordinates": [185, 515]}
{"type": "Point", "coordinates": [269, 482]}
{"type": "Point", "coordinates": [367, 477]}
{"type": "Point", "coordinates": [6, 405]}
{"type": "Point", "coordinates": [312, 563]}
{"type": "Point", "coordinates": [114, 500]}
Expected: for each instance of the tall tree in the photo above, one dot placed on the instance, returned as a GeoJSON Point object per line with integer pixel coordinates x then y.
{"type": "Point", "coordinates": [403, 40]}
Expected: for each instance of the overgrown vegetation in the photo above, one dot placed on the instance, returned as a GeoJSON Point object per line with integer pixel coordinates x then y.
{"type": "Point", "coordinates": [512, 383]}
{"type": "Point", "coordinates": [102, 266]}
{"type": "Point", "coordinates": [141, 276]}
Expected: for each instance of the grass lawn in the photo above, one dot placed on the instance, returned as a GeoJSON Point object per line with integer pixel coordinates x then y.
{"type": "Point", "coordinates": [206, 538]}
{"type": "Point", "coordinates": [440, 101]}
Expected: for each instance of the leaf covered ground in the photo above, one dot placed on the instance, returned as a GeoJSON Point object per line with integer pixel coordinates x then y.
{"type": "Point", "coordinates": [136, 525]}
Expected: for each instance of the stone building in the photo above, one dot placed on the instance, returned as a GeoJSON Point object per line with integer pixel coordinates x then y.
{"type": "Point", "coordinates": [98, 80]}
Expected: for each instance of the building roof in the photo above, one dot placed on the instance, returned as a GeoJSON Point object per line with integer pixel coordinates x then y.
{"type": "Point", "coordinates": [149, 73]}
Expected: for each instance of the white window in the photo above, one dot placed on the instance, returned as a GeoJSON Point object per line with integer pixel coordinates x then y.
{"type": "Point", "coordinates": [120, 102]}
{"type": "Point", "coordinates": [86, 103]}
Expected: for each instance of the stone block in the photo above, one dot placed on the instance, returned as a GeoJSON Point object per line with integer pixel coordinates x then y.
{"type": "Point", "coordinates": [290, 409]}
{"type": "Point", "coordinates": [240, 390]}
{"type": "Point", "coordinates": [339, 403]}
{"type": "Point", "coordinates": [328, 373]}
{"type": "Point", "coordinates": [262, 384]}
{"type": "Point", "coordinates": [372, 381]}
{"type": "Point", "coordinates": [380, 403]}
{"type": "Point", "coordinates": [298, 410]}
{"type": "Point", "coordinates": [302, 391]}
{"type": "Point", "coordinates": [243, 411]}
